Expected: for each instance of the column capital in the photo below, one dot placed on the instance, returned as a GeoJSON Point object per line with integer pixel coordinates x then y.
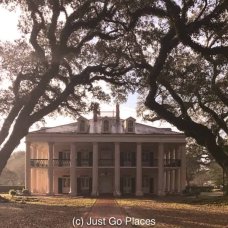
{"type": "Point", "coordinates": [139, 144]}
{"type": "Point", "coordinates": [28, 143]}
{"type": "Point", "coordinates": [51, 143]}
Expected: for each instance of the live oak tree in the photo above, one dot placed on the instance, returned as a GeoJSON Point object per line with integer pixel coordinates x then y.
{"type": "Point", "coordinates": [182, 51]}
{"type": "Point", "coordinates": [57, 63]}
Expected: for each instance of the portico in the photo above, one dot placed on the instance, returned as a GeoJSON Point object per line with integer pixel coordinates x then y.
{"type": "Point", "coordinates": [136, 171]}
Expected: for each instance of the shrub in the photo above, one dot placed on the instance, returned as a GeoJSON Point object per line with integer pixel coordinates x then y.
{"type": "Point", "coordinates": [192, 191]}
{"type": "Point", "coordinates": [12, 192]}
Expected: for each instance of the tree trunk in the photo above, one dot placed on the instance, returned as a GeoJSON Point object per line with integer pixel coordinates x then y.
{"type": "Point", "coordinates": [225, 187]}
{"type": "Point", "coordinates": [20, 130]}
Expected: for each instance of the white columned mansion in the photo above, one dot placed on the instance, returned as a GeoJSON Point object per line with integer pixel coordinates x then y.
{"type": "Point", "coordinates": [105, 155]}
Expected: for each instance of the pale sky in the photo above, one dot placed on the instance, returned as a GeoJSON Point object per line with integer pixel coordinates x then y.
{"type": "Point", "coordinates": [9, 32]}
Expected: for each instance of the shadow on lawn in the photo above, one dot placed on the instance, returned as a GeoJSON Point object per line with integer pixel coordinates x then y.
{"type": "Point", "coordinates": [182, 211]}
{"type": "Point", "coordinates": [181, 217]}
{"type": "Point", "coordinates": [192, 200]}
{"type": "Point", "coordinates": [38, 215]}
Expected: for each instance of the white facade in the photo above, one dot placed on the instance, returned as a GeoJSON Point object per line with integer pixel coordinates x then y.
{"type": "Point", "coordinates": [105, 155]}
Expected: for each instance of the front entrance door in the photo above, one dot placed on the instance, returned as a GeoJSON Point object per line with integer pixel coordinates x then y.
{"type": "Point", "coordinates": [105, 184]}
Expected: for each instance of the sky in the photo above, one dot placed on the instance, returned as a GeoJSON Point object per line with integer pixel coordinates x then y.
{"type": "Point", "coordinates": [9, 32]}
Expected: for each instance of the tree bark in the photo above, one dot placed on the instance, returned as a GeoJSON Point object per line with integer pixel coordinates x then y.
{"type": "Point", "coordinates": [20, 130]}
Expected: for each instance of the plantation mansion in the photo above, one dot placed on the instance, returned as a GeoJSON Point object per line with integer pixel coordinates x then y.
{"type": "Point", "coordinates": [105, 155]}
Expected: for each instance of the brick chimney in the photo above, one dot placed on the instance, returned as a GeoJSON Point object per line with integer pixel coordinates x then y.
{"type": "Point", "coordinates": [95, 111]}
{"type": "Point", "coordinates": [117, 113]}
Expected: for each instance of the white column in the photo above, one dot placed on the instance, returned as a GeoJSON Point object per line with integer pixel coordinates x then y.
{"type": "Point", "coordinates": [28, 167]}
{"type": "Point", "coordinates": [168, 180]}
{"type": "Point", "coordinates": [172, 172]}
{"type": "Point", "coordinates": [95, 170]}
{"type": "Point", "coordinates": [139, 170]}
{"type": "Point", "coordinates": [183, 167]}
{"type": "Point", "coordinates": [37, 171]}
{"type": "Point", "coordinates": [73, 170]}
{"type": "Point", "coordinates": [165, 184]}
{"type": "Point", "coordinates": [117, 169]}
{"type": "Point", "coordinates": [161, 169]}
{"type": "Point", "coordinates": [34, 171]}
{"type": "Point", "coordinates": [50, 168]}
{"type": "Point", "coordinates": [178, 177]}
{"type": "Point", "coordinates": [177, 182]}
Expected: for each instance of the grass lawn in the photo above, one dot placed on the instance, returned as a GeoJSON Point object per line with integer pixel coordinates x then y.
{"type": "Point", "coordinates": [179, 211]}
{"type": "Point", "coordinates": [42, 211]}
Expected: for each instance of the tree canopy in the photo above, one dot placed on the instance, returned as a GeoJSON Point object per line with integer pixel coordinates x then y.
{"type": "Point", "coordinates": [174, 53]}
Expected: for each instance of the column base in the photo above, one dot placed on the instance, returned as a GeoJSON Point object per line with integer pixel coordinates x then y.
{"type": "Point", "coordinates": [161, 193]}
{"type": "Point", "coordinates": [139, 193]}
{"type": "Point", "coordinates": [117, 193]}
{"type": "Point", "coordinates": [50, 194]}
{"type": "Point", "coordinates": [72, 194]}
{"type": "Point", "coordinates": [94, 194]}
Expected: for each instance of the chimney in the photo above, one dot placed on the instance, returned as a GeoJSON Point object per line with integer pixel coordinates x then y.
{"type": "Point", "coordinates": [117, 112]}
{"type": "Point", "coordinates": [95, 111]}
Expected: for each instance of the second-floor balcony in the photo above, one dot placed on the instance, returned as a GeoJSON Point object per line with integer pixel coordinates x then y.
{"type": "Point", "coordinates": [150, 163]}
{"type": "Point", "coordinates": [84, 163]}
{"type": "Point", "coordinates": [106, 162]}
{"type": "Point", "coordinates": [43, 163]}
{"type": "Point", "coordinates": [39, 163]}
{"type": "Point", "coordinates": [61, 162]}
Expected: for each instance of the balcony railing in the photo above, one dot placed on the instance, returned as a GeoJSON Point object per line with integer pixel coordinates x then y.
{"type": "Point", "coordinates": [172, 162]}
{"type": "Point", "coordinates": [84, 162]}
{"type": "Point", "coordinates": [106, 162]}
{"type": "Point", "coordinates": [39, 163]}
{"type": "Point", "coordinates": [152, 163]}
{"type": "Point", "coordinates": [61, 162]}
{"type": "Point", "coordinates": [125, 163]}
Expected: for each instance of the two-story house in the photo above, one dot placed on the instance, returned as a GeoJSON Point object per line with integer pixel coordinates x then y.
{"type": "Point", "coordinates": [105, 155]}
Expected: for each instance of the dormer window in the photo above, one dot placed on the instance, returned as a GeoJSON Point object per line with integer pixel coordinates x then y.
{"type": "Point", "coordinates": [105, 126]}
{"type": "Point", "coordinates": [130, 126]}
{"type": "Point", "coordinates": [82, 125]}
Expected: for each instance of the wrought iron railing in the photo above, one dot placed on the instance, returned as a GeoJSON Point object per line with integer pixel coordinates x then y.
{"type": "Point", "coordinates": [172, 162]}
{"type": "Point", "coordinates": [131, 163]}
{"type": "Point", "coordinates": [84, 162]}
{"type": "Point", "coordinates": [106, 162]}
{"type": "Point", "coordinates": [150, 163]}
{"type": "Point", "coordinates": [39, 163]}
{"type": "Point", "coordinates": [61, 162]}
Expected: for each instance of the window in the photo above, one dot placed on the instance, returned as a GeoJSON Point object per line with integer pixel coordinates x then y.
{"type": "Point", "coordinates": [145, 156]}
{"type": "Point", "coordinates": [85, 182]}
{"type": "Point", "coordinates": [82, 126]}
{"type": "Point", "coordinates": [66, 155]}
{"type": "Point", "coordinates": [130, 126]}
{"type": "Point", "coordinates": [145, 182]}
{"type": "Point", "coordinates": [128, 158]}
{"type": "Point", "coordinates": [106, 126]}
